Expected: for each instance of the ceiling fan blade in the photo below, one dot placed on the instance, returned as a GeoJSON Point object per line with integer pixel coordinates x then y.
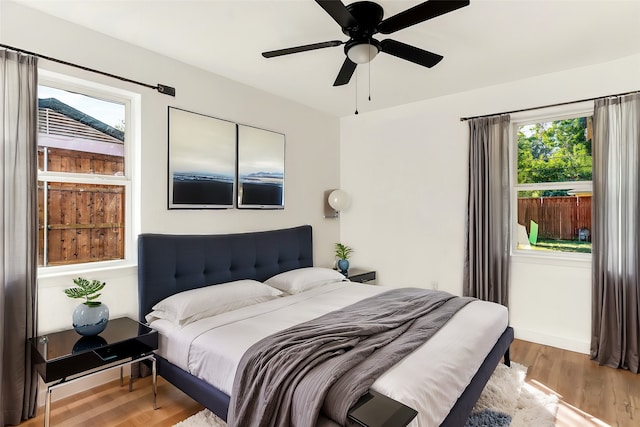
{"type": "Point", "coordinates": [348, 67]}
{"type": "Point", "coordinates": [410, 53]}
{"type": "Point", "coordinates": [303, 48]}
{"type": "Point", "coordinates": [338, 11]}
{"type": "Point", "coordinates": [419, 13]}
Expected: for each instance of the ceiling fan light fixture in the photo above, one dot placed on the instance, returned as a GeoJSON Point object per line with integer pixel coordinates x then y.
{"type": "Point", "coordinates": [363, 19]}
{"type": "Point", "coordinates": [362, 53]}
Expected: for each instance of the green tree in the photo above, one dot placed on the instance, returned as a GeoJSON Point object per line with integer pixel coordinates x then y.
{"type": "Point", "coordinates": [555, 151]}
{"type": "Point", "coordinates": [120, 125]}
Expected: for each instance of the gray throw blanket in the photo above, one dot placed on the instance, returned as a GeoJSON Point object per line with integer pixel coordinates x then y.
{"type": "Point", "coordinates": [328, 363]}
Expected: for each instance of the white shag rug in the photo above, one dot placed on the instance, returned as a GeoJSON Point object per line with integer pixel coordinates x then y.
{"type": "Point", "coordinates": [506, 393]}
{"type": "Point", "coordinates": [204, 418]}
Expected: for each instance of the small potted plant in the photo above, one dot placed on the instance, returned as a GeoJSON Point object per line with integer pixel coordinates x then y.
{"type": "Point", "coordinates": [91, 317]}
{"type": "Point", "coordinates": [343, 253]}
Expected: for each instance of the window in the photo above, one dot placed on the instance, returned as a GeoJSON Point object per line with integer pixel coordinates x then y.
{"type": "Point", "coordinates": [84, 186]}
{"type": "Point", "coordinates": [552, 184]}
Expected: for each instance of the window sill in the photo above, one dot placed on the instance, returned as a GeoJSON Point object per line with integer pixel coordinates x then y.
{"type": "Point", "coordinates": [105, 270]}
{"type": "Point", "coordinates": [560, 260]}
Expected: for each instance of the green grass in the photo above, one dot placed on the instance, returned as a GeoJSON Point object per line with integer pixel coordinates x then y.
{"type": "Point", "coordinates": [563, 246]}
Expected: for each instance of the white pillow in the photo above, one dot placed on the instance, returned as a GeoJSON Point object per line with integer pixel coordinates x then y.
{"type": "Point", "coordinates": [303, 279]}
{"type": "Point", "coordinates": [189, 306]}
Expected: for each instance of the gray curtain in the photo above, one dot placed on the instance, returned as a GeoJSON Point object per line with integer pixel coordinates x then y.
{"type": "Point", "coordinates": [615, 328]}
{"type": "Point", "coordinates": [486, 265]}
{"type": "Point", "coordinates": [18, 234]}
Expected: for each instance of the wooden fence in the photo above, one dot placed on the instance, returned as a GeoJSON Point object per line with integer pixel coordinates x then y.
{"type": "Point", "coordinates": [558, 218]}
{"type": "Point", "coordinates": [62, 160]}
{"type": "Point", "coordinates": [84, 222]}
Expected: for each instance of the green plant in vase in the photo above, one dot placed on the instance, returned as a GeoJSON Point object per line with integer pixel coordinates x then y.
{"type": "Point", "coordinates": [343, 253]}
{"type": "Point", "coordinates": [91, 317]}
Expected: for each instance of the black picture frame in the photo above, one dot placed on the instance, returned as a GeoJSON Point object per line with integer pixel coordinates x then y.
{"type": "Point", "coordinates": [261, 168]}
{"type": "Point", "coordinates": [202, 161]}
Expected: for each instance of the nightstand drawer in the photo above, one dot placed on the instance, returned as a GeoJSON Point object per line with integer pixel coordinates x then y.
{"type": "Point", "coordinates": [361, 276]}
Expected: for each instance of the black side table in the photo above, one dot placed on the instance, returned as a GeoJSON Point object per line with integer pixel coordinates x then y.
{"type": "Point", "coordinates": [361, 276]}
{"type": "Point", "coordinates": [63, 357]}
{"type": "Point", "coordinates": [377, 410]}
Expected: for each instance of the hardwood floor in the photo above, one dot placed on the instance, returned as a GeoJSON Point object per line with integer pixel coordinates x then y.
{"type": "Point", "coordinates": [590, 395]}
{"type": "Point", "coordinates": [112, 405]}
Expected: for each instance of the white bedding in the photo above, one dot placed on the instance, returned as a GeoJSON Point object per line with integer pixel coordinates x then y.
{"type": "Point", "coordinates": [429, 380]}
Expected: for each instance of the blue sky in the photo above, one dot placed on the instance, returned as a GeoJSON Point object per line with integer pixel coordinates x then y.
{"type": "Point", "coordinates": [108, 112]}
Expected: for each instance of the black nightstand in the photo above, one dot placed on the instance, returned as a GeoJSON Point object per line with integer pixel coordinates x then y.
{"type": "Point", "coordinates": [377, 410]}
{"type": "Point", "coordinates": [361, 276]}
{"type": "Point", "coordinates": [65, 356]}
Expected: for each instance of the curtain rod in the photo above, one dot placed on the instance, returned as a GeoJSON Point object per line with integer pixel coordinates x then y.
{"type": "Point", "coordinates": [462, 119]}
{"type": "Point", "coordinates": [167, 90]}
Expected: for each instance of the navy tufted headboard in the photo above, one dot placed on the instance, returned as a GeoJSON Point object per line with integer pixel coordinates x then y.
{"type": "Point", "coordinates": [171, 263]}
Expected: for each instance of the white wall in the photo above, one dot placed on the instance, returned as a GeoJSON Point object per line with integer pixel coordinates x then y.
{"type": "Point", "coordinates": [312, 147]}
{"type": "Point", "coordinates": [406, 169]}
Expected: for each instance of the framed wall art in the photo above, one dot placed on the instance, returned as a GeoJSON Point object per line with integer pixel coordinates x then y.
{"type": "Point", "coordinates": [260, 168]}
{"type": "Point", "coordinates": [202, 161]}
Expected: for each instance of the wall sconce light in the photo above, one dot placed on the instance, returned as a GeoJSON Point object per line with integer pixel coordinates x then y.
{"type": "Point", "coordinates": [334, 202]}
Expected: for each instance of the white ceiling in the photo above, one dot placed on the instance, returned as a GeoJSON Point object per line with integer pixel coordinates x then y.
{"type": "Point", "coordinates": [487, 42]}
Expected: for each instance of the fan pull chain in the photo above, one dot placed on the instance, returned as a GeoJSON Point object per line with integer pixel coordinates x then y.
{"type": "Point", "coordinates": [356, 90]}
{"type": "Point", "coordinates": [369, 80]}
{"type": "Point", "coordinates": [369, 72]}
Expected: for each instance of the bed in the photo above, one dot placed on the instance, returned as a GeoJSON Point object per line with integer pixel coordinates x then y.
{"type": "Point", "coordinates": [171, 264]}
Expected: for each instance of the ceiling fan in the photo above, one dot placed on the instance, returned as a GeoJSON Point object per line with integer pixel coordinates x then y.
{"type": "Point", "coordinates": [362, 20]}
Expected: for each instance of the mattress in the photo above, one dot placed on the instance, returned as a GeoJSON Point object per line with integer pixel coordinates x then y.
{"type": "Point", "coordinates": [429, 380]}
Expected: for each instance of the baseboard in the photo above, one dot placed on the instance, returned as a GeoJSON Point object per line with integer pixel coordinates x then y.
{"type": "Point", "coordinates": [552, 340]}
{"type": "Point", "coordinates": [81, 385]}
